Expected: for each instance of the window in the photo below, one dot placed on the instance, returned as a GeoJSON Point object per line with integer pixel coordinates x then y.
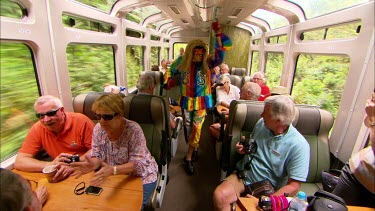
{"type": "Point", "coordinates": [166, 53]}
{"type": "Point", "coordinates": [134, 63]}
{"type": "Point", "coordinates": [254, 62]}
{"type": "Point", "coordinates": [176, 49]}
{"type": "Point", "coordinates": [87, 71]}
{"type": "Point", "coordinates": [134, 33]}
{"type": "Point", "coordinates": [277, 39]}
{"type": "Point", "coordinates": [86, 24]}
{"type": "Point", "coordinates": [273, 19]}
{"type": "Point", "coordinates": [274, 66]}
{"type": "Point", "coordinates": [154, 57]}
{"type": "Point", "coordinates": [348, 30]}
{"type": "Point", "coordinates": [101, 5]}
{"type": "Point", "coordinates": [11, 9]}
{"type": "Point", "coordinates": [19, 90]}
{"type": "Point", "coordinates": [320, 80]}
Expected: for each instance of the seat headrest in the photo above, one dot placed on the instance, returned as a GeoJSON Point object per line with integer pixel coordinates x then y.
{"type": "Point", "coordinates": [309, 121]}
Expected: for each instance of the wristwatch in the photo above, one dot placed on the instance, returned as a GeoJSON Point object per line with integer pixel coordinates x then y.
{"type": "Point", "coordinates": [114, 170]}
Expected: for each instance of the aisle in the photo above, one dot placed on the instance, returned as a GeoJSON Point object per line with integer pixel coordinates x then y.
{"type": "Point", "coordinates": [187, 193]}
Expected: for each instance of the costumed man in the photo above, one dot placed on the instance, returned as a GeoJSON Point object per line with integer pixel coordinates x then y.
{"type": "Point", "coordinates": [194, 70]}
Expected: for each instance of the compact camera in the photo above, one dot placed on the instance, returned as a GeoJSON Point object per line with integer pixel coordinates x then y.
{"type": "Point", "coordinates": [74, 158]}
{"type": "Point", "coordinates": [249, 146]}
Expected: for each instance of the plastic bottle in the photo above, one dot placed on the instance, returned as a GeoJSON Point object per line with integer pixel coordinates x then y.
{"type": "Point", "coordinates": [298, 203]}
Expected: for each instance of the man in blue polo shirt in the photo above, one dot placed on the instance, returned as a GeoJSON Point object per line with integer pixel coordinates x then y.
{"type": "Point", "coordinates": [282, 156]}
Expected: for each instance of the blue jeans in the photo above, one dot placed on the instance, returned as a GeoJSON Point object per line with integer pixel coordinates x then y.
{"type": "Point", "coordinates": [147, 191]}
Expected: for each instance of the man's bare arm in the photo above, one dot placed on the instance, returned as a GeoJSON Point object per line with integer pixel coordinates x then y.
{"type": "Point", "coordinates": [26, 162]}
{"type": "Point", "coordinates": [291, 187]}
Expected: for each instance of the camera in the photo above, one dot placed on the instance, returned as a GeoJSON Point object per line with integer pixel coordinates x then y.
{"type": "Point", "coordinates": [249, 146]}
{"type": "Point", "coordinates": [74, 158]}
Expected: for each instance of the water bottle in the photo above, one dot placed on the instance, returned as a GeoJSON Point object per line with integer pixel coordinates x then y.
{"type": "Point", "coordinates": [298, 203]}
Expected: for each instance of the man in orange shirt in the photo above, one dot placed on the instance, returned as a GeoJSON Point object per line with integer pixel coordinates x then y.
{"type": "Point", "coordinates": [61, 134]}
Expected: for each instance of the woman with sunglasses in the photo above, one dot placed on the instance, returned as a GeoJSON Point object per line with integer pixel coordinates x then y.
{"type": "Point", "coordinates": [118, 147]}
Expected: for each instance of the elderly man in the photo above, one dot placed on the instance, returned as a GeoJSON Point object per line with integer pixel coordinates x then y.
{"type": "Point", "coordinates": [258, 78]}
{"type": "Point", "coordinates": [146, 86]}
{"type": "Point", "coordinates": [194, 68]}
{"type": "Point", "coordinates": [61, 134]}
{"type": "Point", "coordinates": [226, 92]}
{"type": "Point", "coordinates": [282, 155]}
{"type": "Point", "coordinates": [224, 69]}
{"type": "Point", "coordinates": [249, 91]}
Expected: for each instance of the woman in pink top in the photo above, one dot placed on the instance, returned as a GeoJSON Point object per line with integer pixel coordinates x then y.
{"type": "Point", "coordinates": [118, 146]}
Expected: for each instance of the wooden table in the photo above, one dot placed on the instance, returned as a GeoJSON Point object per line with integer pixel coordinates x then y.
{"type": "Point", "coordinates": [120, 192]}
{"type": "Point", "coordinates": [250, 204]}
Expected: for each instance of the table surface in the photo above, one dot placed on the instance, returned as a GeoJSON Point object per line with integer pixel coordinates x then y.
{"type": "Point", "coordinates": [120, 192]}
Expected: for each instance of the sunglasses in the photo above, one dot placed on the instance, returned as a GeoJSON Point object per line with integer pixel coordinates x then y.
{"type": "Point", "coordinates": [105, 116]}
{"type": "Point", "coordinates": [49, 113]}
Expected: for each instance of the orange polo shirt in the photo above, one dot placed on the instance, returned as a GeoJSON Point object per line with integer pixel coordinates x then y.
{"type": "Point", "coordinates": [74, 139]}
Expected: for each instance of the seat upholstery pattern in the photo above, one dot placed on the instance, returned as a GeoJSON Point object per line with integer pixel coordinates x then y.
{"type": "Point", "coordinates": [312, 122]}
{"type": "Point", "coordinates": [158, 81]}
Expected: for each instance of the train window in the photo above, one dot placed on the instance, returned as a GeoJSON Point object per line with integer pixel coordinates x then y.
{"type": "Point", "coordinates": [134, 33]}
{"type": "Point", "coordinates": [134, 63]}
{"type": "Point", "coordinates": [274, 66]}
{"type": "Point", "coordinates": [277, 39]}
{"type": "Point", "coordinates": [151, 26]}
{"type": "Point", "coordinates": [86, 24]}
{"type": "Point", "coordinates": [166, 53]}
{"type": "Point", "coordinates": [98, 4]}
{"type": "Point", "coordinates": [320, 80]}
{"type": "Point", "coordinates": [274, 20]}
{"type": "Point", "coordinates": [348, 30]}
{"type": "Point", "coordinates": [314, 8]}
{"type": "Point", "coordinates": [154, 57]}
{"type": "Point", "coordinates": [176, 49]}
{"type": "Point", "coordinates": [256, 42]}
{"type": "Point", "coordinates": [140, 14]}
{"type": "Point", "coordinates": [19, 90]}
{"type": "Point", "coordinates": [254, 61]}
{"type": "Point", "coordinates": [87, 71]}
{"type": "Point", "coordinates": [11, 9]}
{"type": "Point", "coordinates": [155, 38]}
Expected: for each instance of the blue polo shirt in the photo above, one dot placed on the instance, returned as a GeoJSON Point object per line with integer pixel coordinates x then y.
{"type": "Point", "coordinates": [277, 157]}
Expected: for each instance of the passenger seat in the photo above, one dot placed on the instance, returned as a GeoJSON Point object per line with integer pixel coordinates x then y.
{"type": "Point", "coordinates": [312, 122]}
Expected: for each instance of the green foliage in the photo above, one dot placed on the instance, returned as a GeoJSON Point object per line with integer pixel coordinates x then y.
{"type": "Point", "coordinates": [154, 57]}
{"type": "Point", "coordinates": [90, 62]}
{"type": "Point", "coordinates": [10, 9]}
{"type": "Point", "coordinates": [134, 64]}
{"type": "Point", "coordinates": [320, 80]}
{"type": "Point", "coordinates": [18, 94]}
{"type": "Point", "coordinates": [274, 67]}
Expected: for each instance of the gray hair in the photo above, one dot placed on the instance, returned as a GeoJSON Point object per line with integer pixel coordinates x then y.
{"type": "Point", "coordinates": [282, 108]}
{"type": "Point", "coordinates": [48, 98]}
{"type": "Point", "coordinates": [144, 82]}
{"type": "Point", "coordinates": [253, 88]}
{"type": "Point", "coordinates": [259, 73]}
{"type": "Point", "coordinates": [16, 193]}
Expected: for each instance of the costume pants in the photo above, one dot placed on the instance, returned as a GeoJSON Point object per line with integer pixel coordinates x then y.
{"type": "Point", "coordinates": [352, 191]}
{"type": "Point", "coordinates": [197, 118]}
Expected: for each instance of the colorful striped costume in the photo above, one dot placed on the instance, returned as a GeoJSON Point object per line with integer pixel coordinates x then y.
{"type": "Point", "coordinates": [195, 85]}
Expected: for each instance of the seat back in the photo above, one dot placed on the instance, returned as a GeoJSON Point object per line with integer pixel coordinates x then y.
{"type": "Point", "coordinates": [240, 71]}
{"type": "Point", "coordinates": [152, 114]}
{"type": "Point", "coordinates": [313, 123]}
{"type": "Point", "coordinates": [82, 103]}
{"type": "Point", "coordinates": [158, 81]}
{"type": "Point", "coordinates": [235, 80]}
{"type": "Point", "coordinates": [246, 79]}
